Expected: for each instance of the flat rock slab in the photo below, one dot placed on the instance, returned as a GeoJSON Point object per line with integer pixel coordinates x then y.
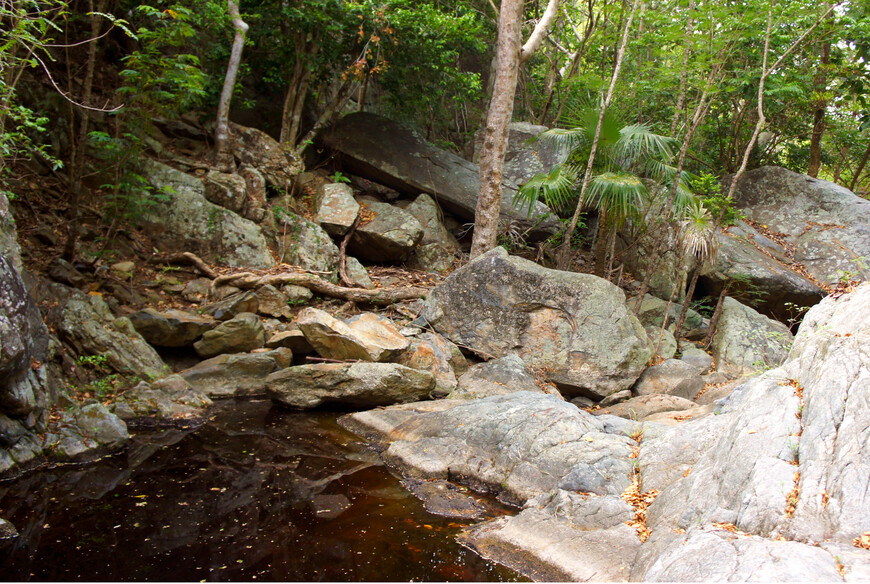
{"type": "Point", "coordinates": [445, 499]}
{"type": "Point", "coordinates": [575, 327]}
{"type": "Point", "coordinates": [388, 153]}
{"type": "Point", "coordinates": [517, 446]}
{"type": "Point", "coordinates": [170, 328]}
{"type": "Point", "coordinates": [359, 385]}
{"type": "Point", "coordinates": [638, 408]}
{"type": "Point", "coordinates": [238, 375]}
{"type": "Point", "coordinates": [367, 336]}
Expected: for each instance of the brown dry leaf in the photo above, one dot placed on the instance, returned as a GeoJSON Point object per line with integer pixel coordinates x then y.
{"type": "Point", "coordinates": [863, 541]}
{"type": "Point", "coordinates": [726, 526]}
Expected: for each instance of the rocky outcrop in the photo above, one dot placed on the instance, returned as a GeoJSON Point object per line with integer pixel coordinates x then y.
{"type": "Point", "coordinates": [785, 464]}
{"type": "Point", "coordinates": [187, 221]}
{"type": "Point", "coordinates": [358, 385]}
{"type": "Point", "coordinates": [747, 342]}
{"type": "Point", "coordinates": [384, 151]}
{"type": "Point", "coordinates": [225, 189]}
{"type": "Point", "coordinates": [574, 327]}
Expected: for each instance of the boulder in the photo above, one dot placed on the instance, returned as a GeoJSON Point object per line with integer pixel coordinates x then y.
{"type": "Point", "coordinates": [187, 221]}
{"type": "Point", "coordinates": [359, 385]}
{"type": "Point", "coordinates": [640, 407]}
{"type": "Point", "coordinates": [167, 401]}
{"type": "Point", "coordinates": [499, 377]}
{"type": "Point", "coordinates": [437, 249]}
{"type": "Point", "coordinates": [86, 433]}
{"type": "Point", "coordinates": [233, 305]}
{"type": "Point", "coordinates": [432, 352]}
{"type": "Point", "coordinates": [257, 149]}
{"type": "Point", "coordinates": [652, 313]}
{"type": "Point", "coordinates": [272, 302]}
{"type": "Point", "coordinates": [296, 294]}
{"type": "Point", "coordinates": [240, 334]}
{"type": "Point", "coordinates": [697, 358]}
{"type": "Point", "coordinates": [170, 328]}
{"type": "Point", "coordinates": [367, 336]}
{"type": "Point", "coordinates": [9, 247]}
{"type": "Point", "coordinates": [524, 156]}
{"type": "Point", "coordinates": [386, 152]}
{"type": "Point", "coordinates": [389, 234]}
{"type": "Point", "coordinates": [663, 339]}
{"type": "Point", "coordinates": [575, 327]}
{"type": "Point", "coordinates": [228, 190]}
{"type": "Point", "coordinates": [747, 342]}
{"type": "Point", "coordinates": [672, 377]}
{"type": "Point", "coordinates": [237, 375]}
{"type": "Point", "coordinates": [786, 459]}
{"type": "Point", "coordinates": [293, 339]}
{"type": "Point", "coordinates": [828, 225]}
{"type": "Point", "coordinates": [256, 204]}
{"type": "Point", "coordinates": [336, 208]}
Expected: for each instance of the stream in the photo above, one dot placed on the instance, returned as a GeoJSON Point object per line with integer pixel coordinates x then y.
{"type": "Point", "coordinates": [256, 493]}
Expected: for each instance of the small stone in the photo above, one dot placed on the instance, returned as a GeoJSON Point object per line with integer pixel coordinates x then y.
{"type": "Point", "coordinates": [125, 268]}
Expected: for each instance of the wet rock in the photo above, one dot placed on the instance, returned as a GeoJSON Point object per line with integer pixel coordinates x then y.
{"type": "Point", "coordinates": [384, 151]}
{"type": "Point", "coordinates": [86, 433]}
{"type": "Point", "coordinates": [672, 377]}
{"type": "Point", "coordinates": [337, 209]}
{"type": "Point", "coordinates": [367, 336]}
{"type": "Point", "coordinates": [272, 302]}
{"type": "Point", "coordinates": [7, 530]}
{"type": "Point", "coordinates": [226, 189]}
{"type": "Point", "coordinates": [257, 149]}
{"type": "Point", "coordinates": [329, 506]}
{"type": "Point", "coordinates": [233, 305]}
{"type": "Point", "coordinates": [361, 385]}
{"type": "Point", "coordinates": [240, 334]}
{"type": "Point", "coordinates": [389, 236]}
{"type": "Point", "coordinates": [638, 408]}
{"type": "Point", "coordinates": [518, 445]}
{"type": "Point", "coordinates": [499, 305]}
{"type": "Point", "coordinates": [499, 377]}
{"type": "Point", "coordinates": [167, 401]}
{"type": "Point", "coordinates": [445, 498]}
{"type": "Point", "coordinates": [187, 221]}
{"type": "Point", "coordinates": [238, 375]}
{"type": "Point", "coordinates": [432, 352]}
{"type": "Point", "coordinates": [170, 328]}
{"type": "Point", "coordinates": [747, 342]}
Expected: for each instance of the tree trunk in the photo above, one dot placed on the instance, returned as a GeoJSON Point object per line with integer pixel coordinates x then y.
{"type": "Point", "coordinates": [821, 104]}
{"type": "Point", "coordinates": [678, 328]}
{"type": "Point", "coordinates": [684, 74]}
{"type": "Point", "coordinates": [717, 313]}
{"type": "Point", "coordinates": [223, 157]}
{"type": "Point", "coordinates": [860, 169]}
{"type": "Point", "coordinates": [501, 109]}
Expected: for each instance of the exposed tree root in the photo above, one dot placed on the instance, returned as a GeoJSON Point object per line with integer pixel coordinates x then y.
{"type": "Point", "coordinates": [185, 258]}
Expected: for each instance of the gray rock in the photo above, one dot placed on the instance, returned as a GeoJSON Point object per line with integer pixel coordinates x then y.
{"type": "Point", "coordinates": [697, 358]}
{"type": "Point", "coordinates": [257, 149]}
{"type": "Point", "coordinates": [197, 290]}
{"type": "Point", "coordinates": [170, 328]}
{"type": "Point", "coordinates": [432, 352]}
{"type": "Point", "coordinates": [638, 408]}
{"type": "Point", "coordinates": [432, 257]}
{"type": "Point", "coordinates": [305, 244]}
{"type": "Point", "coordinates": [170, 400]}
{"type": "Point", "coordinates": [663, 339]}
{"type": "Point", "coordinates": [362, 385]}
{"type": "Point", "coordinates": [7, 530]}
{"type": "Point", "coordinates": [366, 336]}
{"type": "Point", "coordinates": [499, 377]}
{"type": "Point", "coordinates": [357, 274]}
{"type": "Point", "coordinates": [239, 375]}
{"type": "Point", "coordinates": [518, 446]}
{"type": "Point", "coordinates": [233, 305]}
{"type": "Point", "coordinates": [336, 208]}
{"type": "Point", "coordinates": [294, 340]}
{"type": "Point", "coordinates": [445, 499]}
{"type": "Point", "coordinates": [272, 302]}
{"type": "Point", "coordinates": [523, 159]}
{"type": "Point", "coordinates": [390, 154]}
{"type": "Point", "coordinates": [240, 334]}
{"type": "Point", "coordinates": [256, 205]}
{"type": "Point", "coordinates": [9, 247]}
{"type": "Point", "coordinates": [86, 433]}
{"type": "Point", "coordinates": [652, 313]}
{"type": "Point", "coordinates": [575, 327]}
{"type": "Point", "coordinates": [297, 294]}
{"type": "Point", "coordinates": [747, 342]}
{"type": "Point", "coordinates": [187, 221]}
{"type": "Point", "coordinates": [390, 235]}
{"type": "Point", "coordinates": [437, 249]}
{"type": "Point", "coordinates": [225, 189]}
{"type": "Point", "coordinates": [672, 377]}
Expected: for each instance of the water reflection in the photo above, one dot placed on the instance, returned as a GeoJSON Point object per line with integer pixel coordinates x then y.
{"type": "Point", "coordinates": [259, 493]}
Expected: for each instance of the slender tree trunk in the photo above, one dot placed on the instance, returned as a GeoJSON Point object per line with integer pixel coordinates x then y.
{"type": "Point", "coordinates": [717, 313]}
{"type": "Point", "coordinates": [820, 82]}
{"type": "Point", "coordinates": [495, 135]}
{"type": "Point", "coordinates": [860, 168]}
{"type": "Point", "coordinates": [223, 156]}
{"type": "Point", "coordinates": [678, 328]}
{"type": "Point", "coordinates": [684, 74]}
{"type": "Point", "coordinates": [587, 177]}
{"type": "Point", "coordinates": [78, 162]}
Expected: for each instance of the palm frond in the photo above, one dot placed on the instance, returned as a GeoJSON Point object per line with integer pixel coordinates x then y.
{"type": "Point", "coordinates": [639, 141]}
{"type": "Point", "coordinates": [562, 140]}
{"type": "Point", "coordinates": [698, 229]}
{"type": "Point", "coordinates": [555, 188]}
{"type": "Point", "coordinates": [620, 194]}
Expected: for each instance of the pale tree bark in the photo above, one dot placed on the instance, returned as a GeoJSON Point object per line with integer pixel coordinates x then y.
{"type": "Point", "coordinates": [542, 29]}
{"type": "Point", "coordinates": [587, 177]}
{"type": "Point", "coordinates": [223, 157]}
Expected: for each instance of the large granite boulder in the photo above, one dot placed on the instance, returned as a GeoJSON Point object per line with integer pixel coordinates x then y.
{"type": "Point", "coordinates": [785, 465]}
{"type": "Point", "coordinates": [367, 336]}
{"type": "Point", "coordinates": [237, 375]}
{"type": "Point", "coordinates": [359, 385]}
{"type": "Point", "coordinates": [828, 225]}
{"type": "Point", "coordinates": [240, 334]}
{"type": "Point", "coordinates": [257, 149]}
{"type": "Point", "coordinates": [574, 327]}
{"type": "Point", "coordinates": [747, 342]}
{"type": "Point", "coordinates": [388, 235]}
{"type": "Point", "coordinates": [187, 221]}
{"type": "Point", "coordinates": [170, 328]}
{"type": "Point", "coordinates": [524, 156]}
{"type": "Point", "coordinates": [388, 153]}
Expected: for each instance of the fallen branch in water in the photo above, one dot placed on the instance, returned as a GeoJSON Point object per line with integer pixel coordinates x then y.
{"type": "Point", "coordinates": [380, 297]}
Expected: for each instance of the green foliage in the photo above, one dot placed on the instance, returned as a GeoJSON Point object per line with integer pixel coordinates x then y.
{"type": "Point", "coordinates": [338, 177]}
{"type": "Point", "coordinates": [708, 187]}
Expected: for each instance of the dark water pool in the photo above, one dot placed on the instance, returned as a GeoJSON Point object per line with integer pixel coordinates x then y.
{"type": "Point", "coordinates": [258, 493]}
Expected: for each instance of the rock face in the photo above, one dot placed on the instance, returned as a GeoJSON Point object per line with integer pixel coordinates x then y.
{"type": "Point", "coordinates": [498, 377]}
{"type": "Point", "coordinates": [747, 342]}
{"type": "Point", "coordinates": [787, 457]}
{"type": "Point", "coordinates": [240, 334]}
{"type": "Point", "coordinates": [386, 152]}
{"type": "Point", "coordinates": [523, 160]}
{"type": "Point", "coordinates": [189, 222]}
{"type": "Point", "coordinates": [367, 336]}
{"type": "Point", "coordinates": [259, 150]}
{"type": "Point", "coordinates": [361, 385]}
{"type": "Point", "coordinates": [573, 326]}
{"type": "Point", "coordinates": [390, 236]}
{"type": "Point", "coordinates": [828, 224]}
{"type": "Point", "coordinates": [171, 328]}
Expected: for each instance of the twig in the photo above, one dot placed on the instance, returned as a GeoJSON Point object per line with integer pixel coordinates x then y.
{"type": "Point", "coordinates": [342, 256]}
